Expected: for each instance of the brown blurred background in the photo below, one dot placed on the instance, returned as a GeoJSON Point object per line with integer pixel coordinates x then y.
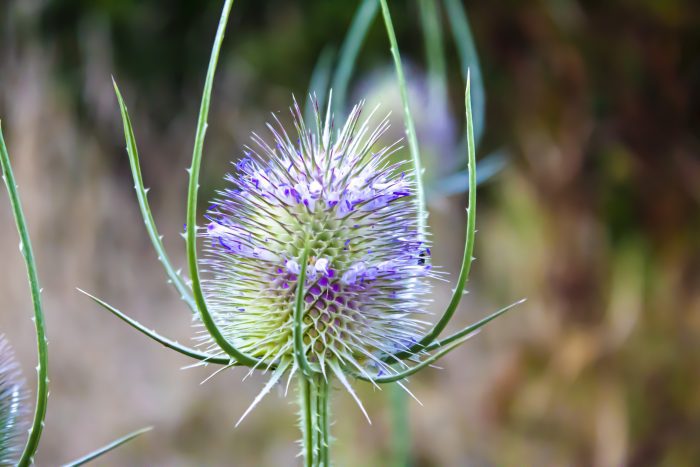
{"type": "Point", "coordinates": [595, 219]}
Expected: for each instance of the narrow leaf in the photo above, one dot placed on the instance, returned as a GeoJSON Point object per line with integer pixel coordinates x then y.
{"type": "Point", "coordinates": [141, 195]}
{"type": "Point", "coordinates": [192, 353]}
{"type": "Point", "coordinates": [434, 49]}
{"type": "Point", "coordinates": [414, 369]}
{"type": "Point", "coordinates": [109, 447]}
{"type": "Point", "coordinates": [458, 182]}
{"type": "Point", "coordinates": [473, 327]}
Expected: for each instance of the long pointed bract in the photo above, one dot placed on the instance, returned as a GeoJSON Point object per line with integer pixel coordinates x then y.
{"type": "Point", "coordinates": [206, 317]}
{"type": "Point", "coordinates": [192, 353]}
{"type": "Point", "coordinates": [42, 392]}
{"type": "Point", "coordinates": [142, 196]}
{"type": "Point", "coordinates": [467, 257]}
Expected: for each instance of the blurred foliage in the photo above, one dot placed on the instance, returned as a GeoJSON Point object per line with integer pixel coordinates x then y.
{"type": "Point", "coordinates": [596, 220]}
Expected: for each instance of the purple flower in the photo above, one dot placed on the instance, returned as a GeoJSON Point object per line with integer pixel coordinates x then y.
{"type": "Point", "coordinates": [330, 192]}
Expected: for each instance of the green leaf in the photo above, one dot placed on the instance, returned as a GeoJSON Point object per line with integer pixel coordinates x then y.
{"type": "Point", "coordinates": [443, 347]}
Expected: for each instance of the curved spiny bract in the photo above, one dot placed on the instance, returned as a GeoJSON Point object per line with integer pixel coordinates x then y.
{"type": "Point", "coordinates": [333, 197]}
{"type": "Point", "coordinates": [14, 419]}
{"type": "Point", "coordinates": [25, 246]}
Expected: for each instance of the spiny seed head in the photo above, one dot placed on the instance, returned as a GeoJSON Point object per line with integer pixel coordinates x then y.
{"type": "Point", "coordinates": [335, 194]}
{"type": "Point", "coordinates": [13, 415]}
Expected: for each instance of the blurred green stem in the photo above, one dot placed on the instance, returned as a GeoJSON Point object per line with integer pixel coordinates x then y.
{"type": "Point", "coordinates": [401, 434]}
{"type": "Point", "coordinates": [347, 57]}
{"type": "Point", "coordinates": [469, 61]}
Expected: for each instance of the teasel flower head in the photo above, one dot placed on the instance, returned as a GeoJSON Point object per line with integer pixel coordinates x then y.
{"type": "Point", "coordinates": [317, 262]}
{"type": "Point", "coordinates": [13, 412]}
{"type": "Point", "coordinates": [331, 203]}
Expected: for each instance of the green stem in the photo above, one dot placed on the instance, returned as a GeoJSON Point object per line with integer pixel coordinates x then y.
{"type": "Point", "coordinates": [401, 435]}
{"type": "Point", "coordinates": [322, 403]}
{"type": "Point", "coordinates": [307, 403]}
{"type": "Point", "coordinates": [315, 424]}
{"type": "Point", "coordinates": [42, 392]}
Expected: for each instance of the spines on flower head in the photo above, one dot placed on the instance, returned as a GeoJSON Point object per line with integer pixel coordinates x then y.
{"type": "Point", "coordinates": [13, 414]}
{"type": "Point", "coordinates": [335, 194]}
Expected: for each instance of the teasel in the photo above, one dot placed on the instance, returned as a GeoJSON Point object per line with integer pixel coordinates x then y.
{"type": "Point", "coordinates": [14, 418]}
{"type": "Point", "coordinates": [317, 260]}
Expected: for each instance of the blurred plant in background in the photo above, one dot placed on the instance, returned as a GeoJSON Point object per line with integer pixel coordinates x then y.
{"type": "Point", "coordinates": [13, 398]}
{"type": "Point", "coordinates": [594, 105]}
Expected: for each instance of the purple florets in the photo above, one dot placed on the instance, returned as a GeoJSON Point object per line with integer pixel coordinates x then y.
{"type": "Point", "coordinates": [336, 195]}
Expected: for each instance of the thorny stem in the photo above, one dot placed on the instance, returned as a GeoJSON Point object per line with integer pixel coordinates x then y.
{"type": "Point", "coordinates": [307, 426]}
{"type": "Point", "coordinates": [322, 403]}
{"type": "Point", "coordinates": [315, 420]}
{"type": "Point", "coordinates": [314, 386]}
